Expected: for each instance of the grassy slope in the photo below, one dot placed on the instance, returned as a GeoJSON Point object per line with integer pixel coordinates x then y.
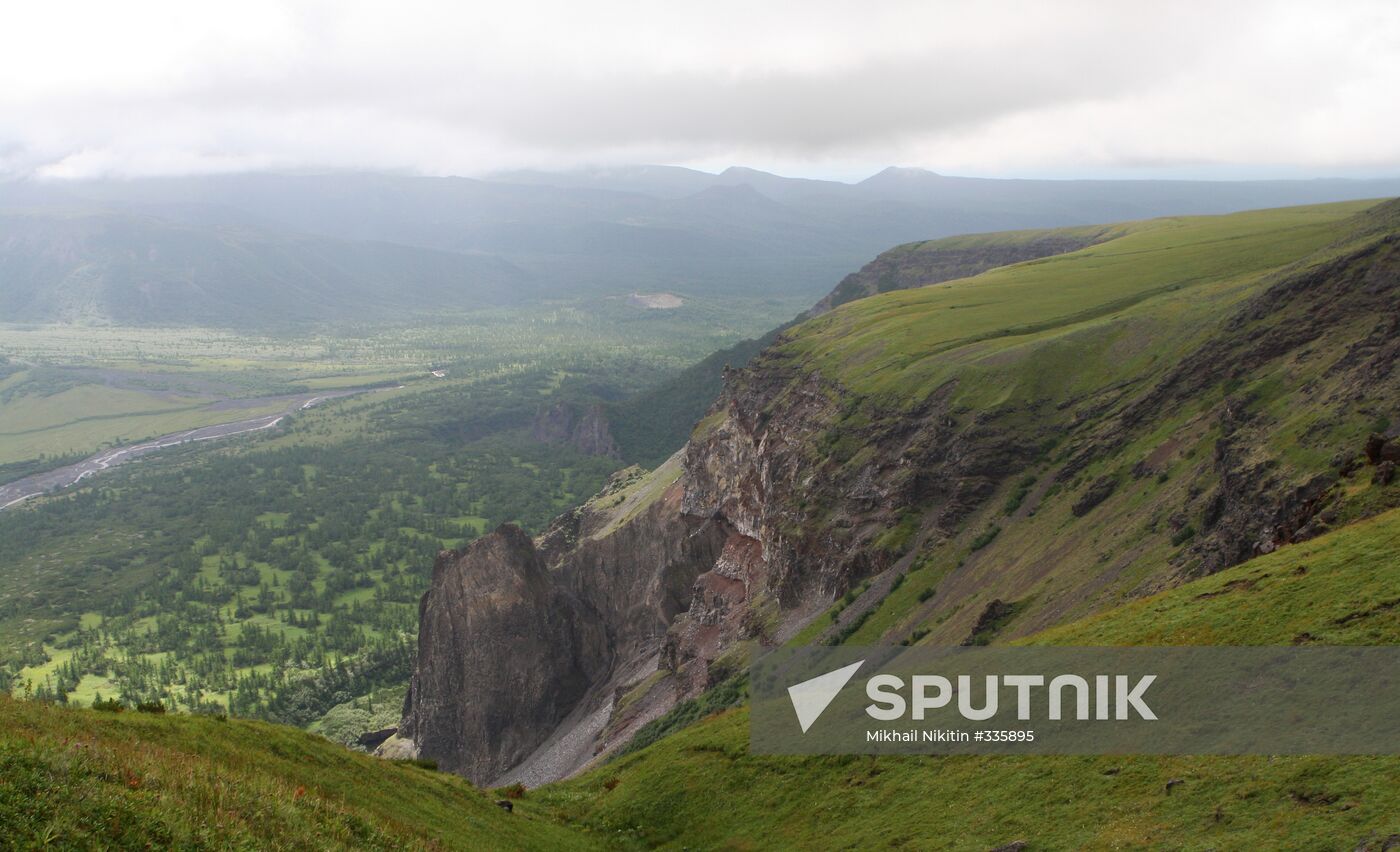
{"type": "Point", "coordinates": [83, 779]}
{"type": "Point", "coordinates": [1341, 588]}
{"type": "Point", "coordinates": [1043, 349]}
{"type": "Point", "coordinates": [882, 346]}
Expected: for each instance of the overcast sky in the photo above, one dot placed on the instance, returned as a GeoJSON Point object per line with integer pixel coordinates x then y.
{"type": "Point", "coordinates": [1056, 89]}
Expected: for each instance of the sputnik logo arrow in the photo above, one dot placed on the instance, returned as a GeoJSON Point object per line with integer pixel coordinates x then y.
{"type": "Point", "coordinates": [810, 698]}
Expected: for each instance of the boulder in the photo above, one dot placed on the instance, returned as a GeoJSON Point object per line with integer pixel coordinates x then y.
{"type": "Point", "coordinates": [1095, 494]}
{"type": "Point", "coordinates": [373, 739]}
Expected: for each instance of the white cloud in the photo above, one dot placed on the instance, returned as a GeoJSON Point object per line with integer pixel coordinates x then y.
{"type": "Point", "coordinates": [1068, 87]}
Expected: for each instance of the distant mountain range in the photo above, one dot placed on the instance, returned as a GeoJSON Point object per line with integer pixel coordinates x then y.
{"type": "Point", "coordinates": [138, 270]}
{"type": "Point", "coordinates": [251, 249]}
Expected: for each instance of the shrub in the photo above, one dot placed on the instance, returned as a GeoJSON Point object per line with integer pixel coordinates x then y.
{"type": "Point", "coordinates": [1183, 535]}
{"type": "Point", "coordinates": [107, 705]}
{"type": "Point", "coordinates": [845, 633]}
{"type": "Point", "coordinates": [156, 706]}
{"type": "Point", "coordinates": [986, 537]}
{"type": "Point", "coordinates": [707, 703]}
{"type": "Point", "coordinates": [1018, 495]}
{"type": "Point", "coordinates": [914, 637]}
{"type": "Point", "coordinates": [420, 762]}
{"type": "Point", "coordinates": [926, 594]}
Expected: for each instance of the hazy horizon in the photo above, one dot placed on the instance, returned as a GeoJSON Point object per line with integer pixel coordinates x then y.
{"type": "Point", "coordinates": [850, 177]}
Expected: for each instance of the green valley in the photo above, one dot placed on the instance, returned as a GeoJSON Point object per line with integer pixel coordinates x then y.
{"type": "Point", "coordinates": [278, 574]}
{"type": "Point", "coordinates": [1175, 433]}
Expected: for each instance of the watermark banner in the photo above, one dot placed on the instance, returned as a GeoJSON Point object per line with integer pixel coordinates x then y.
{"type": "Point", "coordinates": [1013, 700]}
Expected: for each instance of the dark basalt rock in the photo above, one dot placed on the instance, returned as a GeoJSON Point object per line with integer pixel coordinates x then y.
{"type": "Point", "coordinates": [504, 654]}
{"type": "Point", "coordinates": [1096, 493]}
{"type": "Point", "coordinates": [515, 634]}
{"type": "Point", "coordinates": [372, 739]}
{"type": "Point", "coordinates": [1375, 446]}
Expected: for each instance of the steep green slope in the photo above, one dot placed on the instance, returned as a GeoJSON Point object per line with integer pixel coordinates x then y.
{"type": "Point", "coordinates": [932, 261]}
{"type": "Point", "coordinates": [82, 779]}
{"type": "Point", "coordinates": [1341, 589]}
{"type": "Point", "coordinates": [1062, 435]}
{"type": "Point", "coordinates": [887, 346]}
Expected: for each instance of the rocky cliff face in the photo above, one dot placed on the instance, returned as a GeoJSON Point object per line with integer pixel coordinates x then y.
{"type": "Point", "coordinates": [518, 635]}
{"type": "Point", "coordinates": [794, 492]}
{"type": "Point", "coordinates": [504, 653]}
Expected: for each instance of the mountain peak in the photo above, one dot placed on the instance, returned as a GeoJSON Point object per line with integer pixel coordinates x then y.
{"type": "Point", "coordinates": [900, 173]}
{"type": "Point", "coordinates": [745, 172]}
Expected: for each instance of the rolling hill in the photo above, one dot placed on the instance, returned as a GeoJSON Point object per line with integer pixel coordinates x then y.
{"type": "Point", "coordinates": [84, 779]}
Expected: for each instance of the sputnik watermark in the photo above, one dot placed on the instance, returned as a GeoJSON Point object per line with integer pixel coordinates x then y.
{"type": "Point", "coordinates": [1126, 697]}
{"type": "Point", "coordinates": [1077, 700]}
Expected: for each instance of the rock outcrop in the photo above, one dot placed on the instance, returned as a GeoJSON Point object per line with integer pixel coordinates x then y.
{"type": "Point", "coordinates": [518, 634]}
{"type": "Point", "coordinates": [504, 653]}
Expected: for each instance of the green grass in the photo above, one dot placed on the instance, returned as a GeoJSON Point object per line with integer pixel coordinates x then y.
{"type": "Point", "coordinates": [881, 346]}
{"type": "Point", "coordinates": [90, 416]}
{"type": "Point", "coordinates": [1037, 362]}
{"type": "Point", "coordinates": [664, 795]}
{"type": "Point", "coordinates": [1340, 589]}
{"type": "Point", "coordinates": [80, 779]}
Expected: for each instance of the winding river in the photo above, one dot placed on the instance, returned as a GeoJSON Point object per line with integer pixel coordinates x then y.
{"type": "Point", "coordinates": [16, 492]}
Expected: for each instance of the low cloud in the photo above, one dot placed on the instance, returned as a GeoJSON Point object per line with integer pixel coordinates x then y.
{"type": "Point", "coordinates": [996, 88]}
